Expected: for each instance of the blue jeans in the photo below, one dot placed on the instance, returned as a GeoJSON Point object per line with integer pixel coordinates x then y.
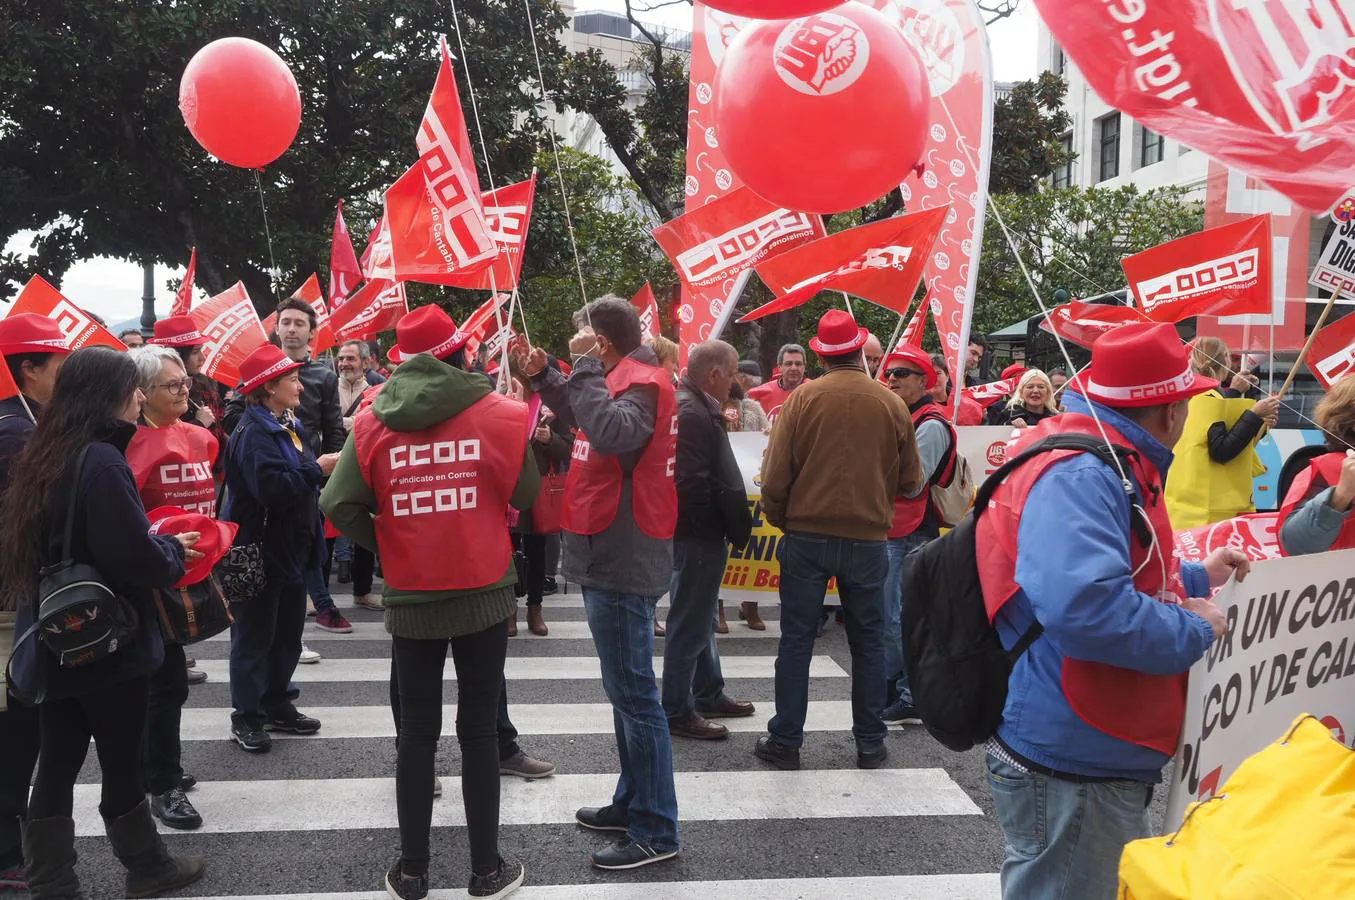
{"type": "Point", "coordinates": [808, 562]}
{"type": "Point", "coordinates": [896, 670]}
{"type": "Point", "coordinates": [691, 661]}
{"type": "Point", "coordinates": [1064, 839]}
{"type": "Point", "coordinates": [343, 549]}
{"type": "Point", "coordinates": [623, 633]}
{"type": "Point", "coordinates": [318, 589]}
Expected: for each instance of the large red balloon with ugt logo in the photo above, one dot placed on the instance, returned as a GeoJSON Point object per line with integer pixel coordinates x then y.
{"type": "Point", "coordinates": [240, 102]}
{"type": "Point", "coordinates": [772, 9]}
{"type": "Point", "coordinates": [823, 113]}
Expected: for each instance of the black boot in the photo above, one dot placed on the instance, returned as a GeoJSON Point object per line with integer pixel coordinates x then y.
{"type": "Point", "coordinates": [151, 871]}
{"type": "Point", "coordinates": [49, 848]}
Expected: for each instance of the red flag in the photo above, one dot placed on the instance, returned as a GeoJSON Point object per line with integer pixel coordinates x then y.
{"type": "Point", "coordinates": [509, 214]}
{"type": "Point", "coordinates": [1332, 355]}
{"type": "Point", "coordinates": [183, 300]}
{"type": "Point", "coordinates": [648, 306]}
{"type": "Point", "coordinates": [1260, 86]}
{"type": "Point", "coordinates": [715, 244]}
{"type": "Point", "coordinates": [1255, 534]}
{"type": "Point", "coordinates": [230, 323]}
{"type": "Point", "coordinates": [986, 395]}
{"type": "Point", "coordinates": [344, 273]}
{"type": "Point", "coordinates": [81, 330]}
{"type": "Point", "coordinates": [270, 324]}
{"type": "Point", "coordinates": [1222, 271]}
{"type": "Point", "coordinates": [917, 327]}
{"type": "Point", "coordinates": [7, 386]}
{"type": "Point", "coordinates": [376, 307]}
{"type": "Point", "coordinates": [310, 292]}
{"type": "Point", "coordinates": [480, 321]}
{"type": "Point", "coordinates": [376, 259]}
{"type": "Point", "coordinates": [881, 262]}
{"type": "Point", "coordinates": [1082, 323]}
{"type": "Point", "coordinates": [434, 211]}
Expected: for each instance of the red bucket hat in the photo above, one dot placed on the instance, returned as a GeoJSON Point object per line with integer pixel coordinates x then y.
{"type": "Point", "coordinates": [911, 356]}
{"type": "Point", "coordinates": [178, 331]}
{"type": "Point", "coordinates": [429, 330]}
{"type": "Point", "coordinates": [31, 333]}
{"type": "Point", "coordinates": [264, 365]}
{"type": "Point", "coordinates": [217, 537]}
{"type": "Point", "coordinates": [1143, 364]}
{"type": "Point", "coordinates": [838, 334]}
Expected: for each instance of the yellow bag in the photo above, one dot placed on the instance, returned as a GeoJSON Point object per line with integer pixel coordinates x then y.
{"type": "Point", "coordinates": [1282, 828]}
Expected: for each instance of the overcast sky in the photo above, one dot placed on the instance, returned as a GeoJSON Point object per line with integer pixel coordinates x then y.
{"type": "Point", "coordinates": [112, 288]}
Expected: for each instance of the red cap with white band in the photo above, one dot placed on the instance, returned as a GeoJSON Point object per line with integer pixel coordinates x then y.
{"type": "Point", "coordinates": [838, 334]}
{"type": "Point", "coordinates": [429, 330]}
{"type": "Point", "coordinates": [178, 331]}
{"type": "Point", "coordinates": [265, 364]}
{"type": "Point", "coordinates": [1143, 364]}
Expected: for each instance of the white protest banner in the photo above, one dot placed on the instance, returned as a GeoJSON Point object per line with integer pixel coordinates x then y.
{"type": "Point", "coordinates": [1289, 650]}
{"type": "Point", "coordinates": [1335, 269]}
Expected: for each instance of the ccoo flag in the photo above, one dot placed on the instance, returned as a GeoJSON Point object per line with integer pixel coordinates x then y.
{"type": "Point", "coordinates": [344, 272]}
{"type": "Point", "coordinates": [1221, 271]}
{"type": "Point", "coordinates": [183, 300]}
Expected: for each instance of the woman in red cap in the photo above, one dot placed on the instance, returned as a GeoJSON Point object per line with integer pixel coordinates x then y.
{"type": "Point", "coordinates": [206, 396]}
{"type": "Point", "coordinates": [272, 488]}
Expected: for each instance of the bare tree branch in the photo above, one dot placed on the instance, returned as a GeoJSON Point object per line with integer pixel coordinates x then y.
{"type": "Point", "coordinates": [999, 9]}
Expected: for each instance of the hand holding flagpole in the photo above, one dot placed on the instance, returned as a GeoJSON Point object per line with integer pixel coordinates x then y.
{"type": "Point", "coordinates": [1303, 354]}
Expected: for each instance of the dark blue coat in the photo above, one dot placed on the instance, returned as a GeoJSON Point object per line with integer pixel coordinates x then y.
{"type": "Point", "coordinates": [272, 493]}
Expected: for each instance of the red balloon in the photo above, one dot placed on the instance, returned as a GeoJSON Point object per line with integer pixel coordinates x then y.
{"type": "Point", "coordinates": [240, 102]}
{"type": "Point", "coordinates": [772, 9]}
{"type": "Point", "coordinates": [823, 114]}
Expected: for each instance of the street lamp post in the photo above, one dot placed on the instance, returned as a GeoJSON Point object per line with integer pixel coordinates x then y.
{"type": "Point", "coordinates": [148, 299]}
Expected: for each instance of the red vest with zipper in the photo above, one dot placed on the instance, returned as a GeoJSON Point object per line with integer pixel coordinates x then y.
{"type": "Point", "coordinates": [593, 486]}
{"type": "Point", "coordinates": [909, 514]}
{"type": "Point", "coordinates": [1322, 473]}
{"type": "Point", "coordinates": [173, 467]}
{"type": "Point", "coordinates": [1147, 710]}
{"type": "Point", "coordinates": [443, 494]}
{"type": "Point", "coordinates": [772, 396]}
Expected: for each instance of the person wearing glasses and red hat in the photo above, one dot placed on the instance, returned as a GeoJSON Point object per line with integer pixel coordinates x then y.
{"type": "Point", "coordinates": [1096, 703]}
{"type": "Point", "coordinates": [206, 396]}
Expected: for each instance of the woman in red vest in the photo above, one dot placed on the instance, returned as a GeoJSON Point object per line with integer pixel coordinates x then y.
{"type": "Point", "coordinates": [1315, 516]}
{"type": "Point", "coordinates": [172, 463]}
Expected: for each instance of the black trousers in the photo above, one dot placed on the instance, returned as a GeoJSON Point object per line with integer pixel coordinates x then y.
{"type": "Point", "coordinates": [533, 546]}
{"type": "Point", "coordinates": [479, 662]}
{"type": "Point", "coordinates": [162, 755]}
{"type": "Point", "coordinates": [265, 645]}
{"type": "Point", "coordinates": [18, 755]}
{"type": "Point", "coordinates": [364, 567]}
{"type": "Point", "coordinates": [115, 717]}
{"type": "Point", "coordinates": [508, 733]}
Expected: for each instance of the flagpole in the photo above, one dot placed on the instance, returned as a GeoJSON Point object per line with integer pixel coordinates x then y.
{"type": "Point", "coordinates": [893, 339]}
{"type": "Point", "coordinates": [1303, 354]}
{"type": "Point", "coordinates": [1270, 382]}
{"type": "Point", "coordinates": [848, 300]}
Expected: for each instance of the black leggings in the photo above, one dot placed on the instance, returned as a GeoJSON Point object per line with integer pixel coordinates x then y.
{"type": "Point", "coordinates": [115, 716]}
{"type": "Point", "coordinates": [533, 546]}
{"type": "Point", "coordinates": [479, 679]}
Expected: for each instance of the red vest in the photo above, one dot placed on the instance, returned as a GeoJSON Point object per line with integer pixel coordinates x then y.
{"type": "Point", "coordinates": [173, 467]}
{"type": "Point", "coordinates": [593, 486]}
{"type": "Point", "coordinates": [1147, 710]}
{"type": "Point", "coordinates": [443, 493]}
{"type": "Point", "coordinates": [909, 514]}
{"type": "Point", "coordinates": [772, 396]}
{"type": "Point", "coordinates": [1322, 473]}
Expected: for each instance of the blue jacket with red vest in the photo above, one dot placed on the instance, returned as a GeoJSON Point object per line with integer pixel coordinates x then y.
{"type": "Point", "coordinates": [1074, 573]}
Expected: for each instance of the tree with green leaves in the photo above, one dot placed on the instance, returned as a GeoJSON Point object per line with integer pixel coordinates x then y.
{"type": "Point", "coordinates": [1028, 128]}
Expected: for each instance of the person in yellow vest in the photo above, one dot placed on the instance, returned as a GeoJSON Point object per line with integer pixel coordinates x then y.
{"type": "Point", "coordinates": [1216, 460]}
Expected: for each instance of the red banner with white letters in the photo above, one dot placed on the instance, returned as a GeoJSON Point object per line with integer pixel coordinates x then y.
{"type": "Point", "coordinates": [1255, 534]}
{"type": "Point", "coordinates": [509, 214]}
{"type": "Point", "coordinates": [1082, 323]}
{"type": "Point", "coordinates": [1260, 85]}
{"type": "Point", "coordinates": [376, 262]}
{"type": "Point", "coordinates": [1222, 271]}
{"type": "Point", "coordinates": [648, 306]}
{"type": "Point", "coordinates": [492, 314]}
{"type": "Point", "coordinates": [987, 394]}
{"type": "Point", "coordinates": [230, 324]}
{"type": "Point", "coordinates": [1332, 356]}
{"type": "Point", "coordinates": [376, 307]}
{"type": "Point", "coordinates": [40, 298]}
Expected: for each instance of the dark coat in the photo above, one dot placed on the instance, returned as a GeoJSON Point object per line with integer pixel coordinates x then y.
{"type": "Point", "coordinates": [712, 503]}
{"type": "Point", "coordinates": [15, 429]}
{"type": "Point", "coordinates": [272, 493]}
{"type": "Point", "coordinates": [552, 458]}
{"type": "Point", "coordinates": [319, 411]}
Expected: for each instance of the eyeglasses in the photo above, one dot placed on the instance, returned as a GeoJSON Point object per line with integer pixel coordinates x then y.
{"type": "Point", "coordinates": [177, 387]}
{"type": "Point", "coordinates": [901, 372]}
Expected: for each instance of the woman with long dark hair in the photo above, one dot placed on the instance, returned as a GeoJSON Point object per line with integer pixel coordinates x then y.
{"type": "Point", "coordinates": [95, 404]}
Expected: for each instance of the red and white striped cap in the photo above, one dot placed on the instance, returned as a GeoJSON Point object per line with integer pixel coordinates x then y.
{"type": "Point", "coordinates": [1142, 364]}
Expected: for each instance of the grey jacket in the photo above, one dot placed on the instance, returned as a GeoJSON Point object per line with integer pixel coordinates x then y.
{"type": "Point", "coordinates": [1313, 527]}
{"type": "Point", "coordinates": [622, 558]}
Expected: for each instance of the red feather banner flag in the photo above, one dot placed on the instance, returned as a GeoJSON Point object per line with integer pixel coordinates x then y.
{"type": "Point", "coordinates": [509, 214]}
{"type": "Point", "coordinates": [310, 292]}
{"type": "Point", "coordinates": [881, 262]}
{"type": "Point", "coordinates": [434, 211]}
{"type": "Point", "coordinates": [917, 327]}
{"type": "Point", "coordinates": [648, 306]}
{"type": "Point", "coordinates": [40, 298]}
{"type": "Point", "coordinates": [1082, 323]}
{"type": "Point", "coordinates": [1221, 271]}
{"type": "Point", "coordinates": [344, 272]}
{"type": "Point", "coordinates": [1332, 356]}
{"type": "Point", "coordinates": [230, 324]}
{"type": "Point", "coordinates": [183, 300]}
{"type": "Point", "coordinates": [1258, 85]}
{"type": "Point", "coordinates": [376, 307]}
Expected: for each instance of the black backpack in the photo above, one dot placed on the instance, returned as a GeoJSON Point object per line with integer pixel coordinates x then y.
{"type": "Point", "coordinates": [957, 667]}
{"type": "Point", "coordinates": [1297, 462]}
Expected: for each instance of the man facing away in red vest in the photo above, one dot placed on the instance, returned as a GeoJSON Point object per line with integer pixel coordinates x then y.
{"type": "Point", "coordinates": [1096, 704]}
{"type": "Point", "coordinates": [620, 514]}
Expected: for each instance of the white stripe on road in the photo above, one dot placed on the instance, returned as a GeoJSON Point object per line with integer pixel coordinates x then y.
{"type": "Point", "coordinates": [333, 804]}
{"type": "Point", "coordinates": [888, 887]}
{"type": "Point", "coordinates": [206, 724]}
{"type": "Point", "coordinates": [569, 631]}
{"type": "Point", "coordinates": [520, 668]}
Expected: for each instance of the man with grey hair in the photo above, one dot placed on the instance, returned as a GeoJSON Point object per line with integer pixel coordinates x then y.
{"type": "Point", "coordinates": [790, 361]}
{"type": "Point", "coordinates": [712, 509]}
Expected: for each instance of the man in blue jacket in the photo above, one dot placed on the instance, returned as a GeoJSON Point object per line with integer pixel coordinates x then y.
{"type": "Point", "coordinates": [1095, 705]}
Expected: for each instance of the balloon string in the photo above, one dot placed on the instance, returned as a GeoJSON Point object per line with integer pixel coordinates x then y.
{"type": "Point", "coordinates": [268, 236]}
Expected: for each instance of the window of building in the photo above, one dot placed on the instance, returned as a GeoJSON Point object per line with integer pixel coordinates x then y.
{"type": "Point", "coordinates": [1063, 175]}
{"type": "Point", "coordinates": [1151, 145]}
{"type": "Point", "coordinates": [1059, 64]}
{"type": "Point", "coordinates": [1108, 144]}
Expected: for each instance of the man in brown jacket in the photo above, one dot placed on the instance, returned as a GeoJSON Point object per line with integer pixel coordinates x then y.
{"type": "Point", "coordinates": [840, 453]}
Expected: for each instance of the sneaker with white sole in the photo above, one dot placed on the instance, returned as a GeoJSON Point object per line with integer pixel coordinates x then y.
{"type": "Point", "coordinates": [369, 601]}
{"type": "Point", "coordinates": [628, 854]}
{"type": "Point", "coordinates": [503, 881]}
{"type": "Point", "coordinates": [901, 713]}
{"type": "Point", "coordinates": [400, 886]}
{"type": "Point", "coordinates": [308, 656]}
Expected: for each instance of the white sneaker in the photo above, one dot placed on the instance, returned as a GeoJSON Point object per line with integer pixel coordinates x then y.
{"type": "Point", "coordinates": [308, 655]}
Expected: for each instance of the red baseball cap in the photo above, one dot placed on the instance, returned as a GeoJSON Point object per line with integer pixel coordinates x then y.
{"type": "Point", "coordinates": [265, 364]}
{"type": "Point", "coordinates": [1143, 364]}
{"type": "Point", "coordinates": [838, 334]}
{"type": "Point", "coordinates": [178, 331]}
{"type": "Point", "coordinates": [429, 330]}
{"type": "Point", "coordinates": [1015, 370]}
{"type": "Point", "coordinates": [31, 333]}
{"type": "Point", "coordinates": [215, 543]}
{"type": "Point", "coordinates": [911, 356]}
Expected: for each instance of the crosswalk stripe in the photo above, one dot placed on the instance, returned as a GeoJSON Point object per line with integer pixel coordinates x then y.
{"type": "Point", "coordinates": [570, 631]}
{"type": "Point", "coordinates": [348, 722]}
{"type": "Point", "coordinates": [523, 668]}
{"type": "Point", "coordinates": [335, 804]}
{"type": "Point", "coordinates": [885, 887]}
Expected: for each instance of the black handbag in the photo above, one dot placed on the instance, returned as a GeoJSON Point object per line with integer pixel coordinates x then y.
{"type": "Point", "coordinates": [241, 573]}
{"type": "Point", "coordinates": [194, 613]}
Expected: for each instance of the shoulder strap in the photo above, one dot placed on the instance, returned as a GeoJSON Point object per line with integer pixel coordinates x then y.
{"type": "Point", "coordinates": [70, 507]}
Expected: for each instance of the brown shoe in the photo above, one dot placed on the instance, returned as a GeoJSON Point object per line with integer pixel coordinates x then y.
{"type": "Point", "coordinates": [513, 624]}
{"type": "Point", "coordinates": [696, 727]}
{"type": "Point", "coordinates": [723, 627]}
{"type": "Point", "coordinates": [536, 622]}
{"type": "Point", "coordinates": [748, 612]}
{"type": "Point", "coordinates": [728, 709]}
